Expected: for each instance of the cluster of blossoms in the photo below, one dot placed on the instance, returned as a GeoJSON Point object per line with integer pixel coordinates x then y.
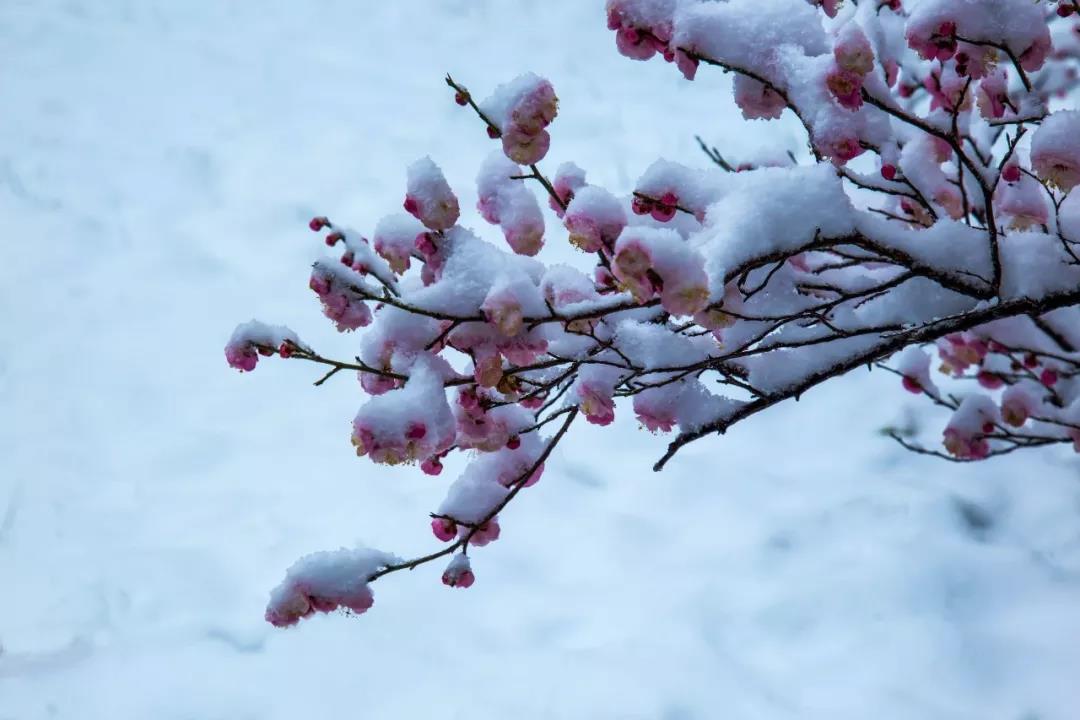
{"type": "Point", "coordinates": [932, 217]}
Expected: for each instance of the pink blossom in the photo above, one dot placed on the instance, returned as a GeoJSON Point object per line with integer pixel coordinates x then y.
{"type": "Point", "coordinates": [432, 465]}
{"type": "Point", "coordinates": [1017, 405]}
{"type": "Point", "coordinates": [829, 6]}
{"type": "Point", "coordinates": [641, 205]}
{"type": "Point", "coordinates": [486, 533]}
{"type": "Point", "coordinates": [714, 319]}
{"type": "Point", "coordinates": [842, 148]}
{"type": "Point", "coordinates": [594, 219]}
{"type": "Point", "coordinates": [522, 348]}
{"type": "Point", "coordinates": [569, 178]}
{"type": "Point", "coordinates": [687, 64]}
{"type": "Point", "coordinates": [634, 43]}
{"type": "Point", "coordinates": [444, 529]}
{"type": "Point", "coordinates": [664, 207]}
{"type": "Point", "coordinates": [318, 583]}
{"type": "Point", "coordinates": [1055, 150]}
{"type": "Point", "coordinates": [536, 109]}
{"type": "Point", "coordinates": [1023, 200]}
{"type": "Point", "coordinates": [532, 107]}
{"type": "Point", "coordinates": [524, 148]}
{"type": "Point", "coordinates": [687, 293]}
{"type": "Point", "coordinates": [534, 402]}
{"type": "Point", "coordinates": [949, 198]}
{"type": "Point", "coordinates": [852, 50]}
{"type": "Point", "coordinates": [458, 573]}
{"type": "Point", "coordinates": [965, 446]}
{"type": "Point", "coordinates": [241, 356]}
{"type": "Point", "coordinates": [347, 312]}
{"type": "Point", "coordinates": [938, 43]}
{"type": "Point", "coordinates": [487, 367]}
{"type": "Point", "coordinates": [892, 72]}
{"type": "Point", "coordinates": [846, 87]}
{"type": "Point", "coordinates": [958, 352]}
{"type": "Point", "coordinates": [948, 91]}
{"type": "Point", "coordinates": [654, 411]}
{"type": "Point", "coordinates": [429, 197]}
{"type": "Point", "coordinates": [975, 61]}
{"type": "Point", "coordinates": [503, 310]}
{"type": "Point", "coordinates": [376, 384]}
{"type": "Point", "coordinates": [463, 579]}
{"type": "Point", "coordinates": [632, 261]}
{"type": "Point", "coordinates": [1035, 55]}
{"type": "Point", "coordinates": [756, 99]}
{"type": "Point", "coordinates": [425, 245]}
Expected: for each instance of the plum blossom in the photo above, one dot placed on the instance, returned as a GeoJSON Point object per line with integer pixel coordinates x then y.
{"type": "Point", "coordinates": [594, 218]}
{"type": "Point", "coordinates": [757, 100]}
{"type": "Point", "coordinates": [429, 198]}
{"type": "Point", "coordinates": [324, 582]}
{"type": "Point", "coordinates": [459, 572]}
{"type": "Point", "coordinates": [1055, 151]}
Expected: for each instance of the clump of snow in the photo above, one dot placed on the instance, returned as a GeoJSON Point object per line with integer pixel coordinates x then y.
{"type": "Point", "coordinates": [1055, 149]}
{"type": "Point", "coordinates": [253, 338]}
{"type": "Point", "coordinates": [429, 197]}
{"type": "Point", "coordinates": [325, 581]}
{"type": "Point", "coordinates": [508, 203]}
{"type": "Point", "coordinates": [775, 210]}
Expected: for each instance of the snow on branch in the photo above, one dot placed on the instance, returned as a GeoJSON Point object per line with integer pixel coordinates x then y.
{"type": "Point", "coordinates": [933, 222]}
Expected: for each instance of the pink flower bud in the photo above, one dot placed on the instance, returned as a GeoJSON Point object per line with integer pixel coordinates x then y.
{"type": "Point", "coordinates": [852, 50]}
{"type": "Point", "coordinates": [525, 149]}
{"type": "Point", "coordinates": [664, 207]}
{"type": "Point", "coordinates": [444, 529]}
{"type": "Point", "coordinates": [458, 573]}
{"type": "Point", "coordinates": [243, 357]}
{"type": "Point", "coordinates": [1017, 404]}
{"type": "Point", "coordinates": [486, 533]}
{"type": "Point", "coordinates": [756, 99]}
{"type": "Point", "coordinates": [429, 197]}
{"type": "Point", "coordinates": [846, 87]}
{"type": "Point", "coordinates": [1055, 151]}
{"type": "Point", "coordinates": [432, 465]}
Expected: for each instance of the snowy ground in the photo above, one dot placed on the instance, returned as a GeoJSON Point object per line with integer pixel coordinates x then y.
{"type": "Point", "coordinates": [158, 160]}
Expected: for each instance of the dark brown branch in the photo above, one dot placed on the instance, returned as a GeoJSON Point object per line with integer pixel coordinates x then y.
{"type": "Point", "coordinates": [463, 541]}
{"type": "Point", "coordinates": [924, 333]}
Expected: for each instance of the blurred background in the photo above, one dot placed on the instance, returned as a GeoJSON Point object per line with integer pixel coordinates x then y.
{"type": "Point", "coordinates": [158, 163]}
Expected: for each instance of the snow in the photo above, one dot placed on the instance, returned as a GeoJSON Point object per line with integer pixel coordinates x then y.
{"type": "Point", "coordinates": [158, 163]}
{"type": "Point", "coordinates": [791, 205]}
{"type": "Point", "coordinates": [429, 196]}
{"type": "Point", "coordinates": [1054, 153]}
{"type": "Point", "coordinates": [748, 33]}
{"type": "Point", "coordinates": [1018, 22]}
